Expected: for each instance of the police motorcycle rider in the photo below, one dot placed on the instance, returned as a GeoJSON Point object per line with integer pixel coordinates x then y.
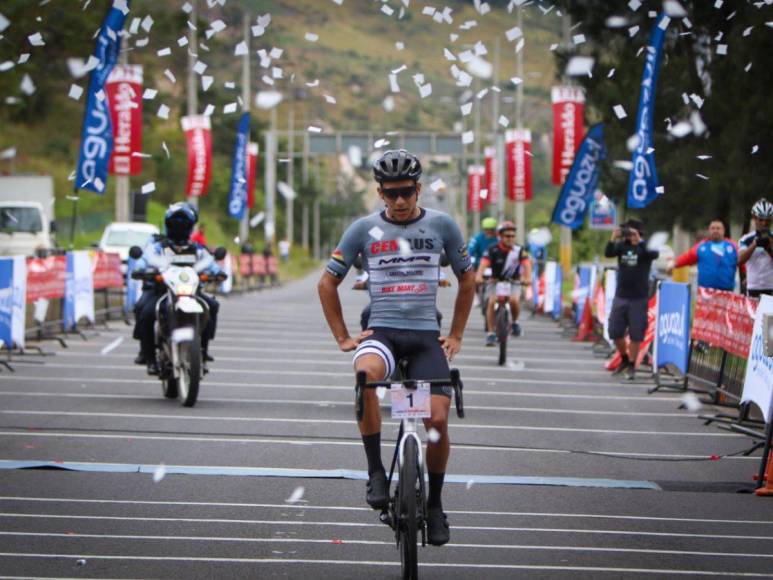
{"type": "Point", "coordinates": [179, 220]}
{"type": "Point", "coordinates": [509, 262]}
{"type": "Point", "coordinates": [403, 319]}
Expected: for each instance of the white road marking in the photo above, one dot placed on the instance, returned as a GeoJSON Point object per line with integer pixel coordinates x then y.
{"type": "Point", "coordinates": [349, 422]}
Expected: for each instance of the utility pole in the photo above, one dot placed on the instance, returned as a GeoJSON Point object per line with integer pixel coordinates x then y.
{"type": "Point", "coordinates": [305, 181]}
{"type": "Point", "coordinates": [476, 154]}
{"type": "Point", "coordinates": [269, 181]}
{"type": "Point", "coordinates": [566, 233]}
{"type": "Point", "coordinates": [122, 181]}
{"type": "Point", "coordinates": [520, 206]}
{"type": "Point", "coordinates": [290, 172]}
{"type": "Point", "coordinates": [192, 89]}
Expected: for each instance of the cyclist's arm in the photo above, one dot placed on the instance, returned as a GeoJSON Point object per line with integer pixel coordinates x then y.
{"type": "Point", "coordinates": [331, 306]}
{"type": "Point", "coordinates": [526, 270]}
{"type": "Point", "coordinates": [746, 250]}
{"type": "Point", "coordinates": [484, 263]}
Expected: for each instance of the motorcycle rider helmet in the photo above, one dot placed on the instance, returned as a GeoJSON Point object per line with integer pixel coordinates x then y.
{"type": "Point", "coordinates": [489, 223]}
{"type": "Point", "coordinates": [505, 226]}
{"type": "Point", "coordinates": [763, 209]}
{"type": "Point", "coordinates": [396, 165]}
{"type": "Point", "coordinates": [179, 221]}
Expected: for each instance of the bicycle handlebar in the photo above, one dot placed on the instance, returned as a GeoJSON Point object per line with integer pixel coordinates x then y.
{"type": "Point", "coordinates": [454, 382]}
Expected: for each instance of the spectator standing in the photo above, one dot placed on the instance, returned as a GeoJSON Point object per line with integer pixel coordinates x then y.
{"type": "Point", "coordinates": [200, 236]}
{"type": "Point", "coordinates": [284, 250]}
{"type": "Point", "coordinates": [716, 256]}
{"type": "Point", "coordinates": [629, 308]}
{"type": "Point", "coordinates": [756, 252]}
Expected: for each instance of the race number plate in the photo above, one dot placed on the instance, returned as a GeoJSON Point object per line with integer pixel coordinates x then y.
{"type": "Point", "coordinates": [411, 403]}
{"type": "Point", "coordinates": [503, 288]}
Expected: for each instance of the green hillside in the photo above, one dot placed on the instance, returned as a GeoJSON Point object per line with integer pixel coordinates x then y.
{"type": "Point", "coordinates": [351, 59]}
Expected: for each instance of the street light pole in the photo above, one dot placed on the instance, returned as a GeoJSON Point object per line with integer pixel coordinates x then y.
{"type": "Point", "coordinates": [566, 233]}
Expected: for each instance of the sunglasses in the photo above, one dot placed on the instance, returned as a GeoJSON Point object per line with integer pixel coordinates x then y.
{"type": "Point", "coordinates": [395, 192]}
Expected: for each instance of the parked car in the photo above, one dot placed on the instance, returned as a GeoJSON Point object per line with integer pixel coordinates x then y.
{"type": "Point", "coordinates": [118, 237]}
{"type": "Point", "coordinates": [26, 215]}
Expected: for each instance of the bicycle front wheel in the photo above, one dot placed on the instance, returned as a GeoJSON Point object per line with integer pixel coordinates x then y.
{"type": "Point", "coordinates": [502, 330]}
{"type": "Point", "coordinates": [408, 489]}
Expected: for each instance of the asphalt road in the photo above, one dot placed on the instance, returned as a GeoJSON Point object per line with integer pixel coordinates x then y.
{"type": "Point", "coordinates": [558, 468]}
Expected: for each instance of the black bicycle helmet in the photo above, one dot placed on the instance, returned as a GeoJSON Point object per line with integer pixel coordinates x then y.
{"type": "Point", "coordinates": [179, 221]}
{"type": "Point", "coordinates": [396, 165]}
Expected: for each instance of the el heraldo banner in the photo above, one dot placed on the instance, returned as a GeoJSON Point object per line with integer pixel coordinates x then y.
{"type": "Point", "coordinates": [518, 154]}
{"type": "Point", "coordinates": [198, 136]}
{"type": "Point", "coordinates": [568, 105]}
{"type": "Point", "coordinates": [124, 95]}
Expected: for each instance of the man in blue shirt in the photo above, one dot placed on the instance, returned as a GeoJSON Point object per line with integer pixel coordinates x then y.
{"type": "Point", "coordinates": [483, 240]}
{"type": "Point", "coordinates": [716, 256]}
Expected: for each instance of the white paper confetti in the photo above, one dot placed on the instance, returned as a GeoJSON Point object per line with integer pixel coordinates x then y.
{"type": "Point", "coordinates": [147, 23]}
{"type": "Point", "coordinates": [703, 157]}
{"type": "Point", "coordinates": [112, 346]}
{"type": "Point", "coordinates": [468, 137]}
{"type": "Point", "coordinates": [578, 39]}
{"type": "Point", "coordinates": [611, 73]}
{"type": "Point", "coordinates": [163, 112]}
{"type": "Point", "coordinates": [23, 58]}
{"type": "Point", "coordinates": [580, 66]}
{"type": "Point", "coordinates": [376, 233]}
{"type": "Point", "coordinates": [704, 177]}
{"type": "Point", "coordinates": [166, 149]}
{"type": "Point", "coordinates": [4, 23]}
{"type": "Point", "coordinates": [199, 67]}
{"type": "Point", "coordinates": [404, 247]}
{"type": "Point", "coordinates": [634, 5]}
{"type": "Point", "coordinates": [399, 45]}
{"type": "Point", "coordinates": [297, 495]}
{"type": "Point", "coordinates": [388, 10]}
{"type": "Point", "coordinates": [697, 100]}
{"type": "Point", "coordinates": [149, 187]}
{"type": "Point", "coordinates": [513, 34]}
{"type": "Point", "coordinates": [75, 92]}
{"type": "Point", "coordinates": [722, 49]}
{"type": "Point", "coordinates": [313, 129]}
{"type": "Point", "coordinates": [393, 86]}
{"type": "Point", "coordinates": [182, 41]}
{"type": "Point", "coordinates": [27, 86]}
{"type": "Point", "coordinates": [755, 148]}
{"type": "Point", "coordinates": [230, 108]}
{"type": "Point", "coordinates": [674, 9]}
{"type": "Point", "coordinates": [620, 111]}
{"type": "Point", "coordinates": [170, 75]}
{"type": "Point", "coordinates": [187, 8]}
{"type": "Point", "coordinates": [425, 90]}
{"type": "Point", "coordinates": [516, 80]}
{"type": "Point", "coordinates": [380, 393]}
{"type": "Point", "coordinates": [206, 82]}
{"type": "Point", "coordinates": [632, 31]}
{"type": "Point", "coordinates": [311, 37]}
{"type": "Point", "coordinates": [388, 103]}
{"type": "Point", "coordinates": [36, 39]}
{"type": "Point", "coordinates": [470, 483]}
{"type": "Point", "coordinates": [7, 65]}
{"type": "Point", "coordinates": [448, 54]}
{"type": "Point", "coordinates": [691, 401]}
{"type": "Point", "coordinates": [214, 28]}
{"type": "Point", "coordinates": [149, 94]}
{"type": "Point", "coordinates": [240, 49]}
{"type": "Point", "coordinates": [159, 473]}
{"type": "Point", "coordinates": [164, 52]}
{"type": "Point", "coordinates": [437, 185]}
{"type": "Point", "coordinates": [466, 108]}
{"type": "Point", "coordinates": [504, 121]}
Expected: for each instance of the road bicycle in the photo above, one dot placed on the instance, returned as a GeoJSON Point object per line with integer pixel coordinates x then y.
{"type": "Point", "coordinates": [503, 316]}
{"type": "Point", "coordinates": [407, 507]}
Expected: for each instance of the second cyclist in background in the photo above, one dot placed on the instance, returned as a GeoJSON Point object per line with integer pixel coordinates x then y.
{"type": "Point", "coordinates": [483, 240]}
{"type": "Point", "coordinates": [509, 262]}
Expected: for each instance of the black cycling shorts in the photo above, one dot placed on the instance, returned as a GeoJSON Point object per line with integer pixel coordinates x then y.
{"type": "Point", "coordinates": [421, 350]}
{"type": "Point", "coordinates": [630, 314]}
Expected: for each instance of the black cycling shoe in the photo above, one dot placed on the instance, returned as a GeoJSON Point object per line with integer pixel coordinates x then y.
{"type": "Point", "coordinates": [377, 491]}
{"type": "Point", "coordinates": [207, 357]}
{"type": "Point", "coordinates": [140, 359]}
{"type": "Point", "coordinates": [152, 367]}
{"type": "Point", "coordinates": [438, 532]}
{"type": "Point", "coordinates": [622, 367]}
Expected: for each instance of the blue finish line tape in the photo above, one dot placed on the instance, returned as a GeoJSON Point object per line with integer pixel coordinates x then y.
{"type": "Point", "coordinates": [321, 474]}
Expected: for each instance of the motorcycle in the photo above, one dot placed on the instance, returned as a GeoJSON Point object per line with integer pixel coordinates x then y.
{"type": "Point", "coordinates": [181, 317]}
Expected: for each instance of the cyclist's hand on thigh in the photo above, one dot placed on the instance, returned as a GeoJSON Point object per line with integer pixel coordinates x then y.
{"type": "Point", "coordinates": [349, 343]}
{"type": "Point", "coordinates": [451, 346]}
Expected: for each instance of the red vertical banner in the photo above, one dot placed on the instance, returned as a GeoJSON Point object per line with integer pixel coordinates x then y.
{"type": "Point", "coordinates": [252, 171]}
{"type": "Point", "coordinates": [492, 175]}
{"type": "Point", "coordinates": [518, 153]}
{"type": "Point", "coordinates": [568, 106]}
{"type": "Point", "coordinates": [124, 96]}
{"type": "Point", "coordinates": [198, 135]}
{"type": "Point", "coordinates": [475, 176]}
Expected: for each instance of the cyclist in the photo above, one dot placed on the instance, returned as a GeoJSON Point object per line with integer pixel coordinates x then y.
{"type": "Point", "coordinates": [178, 224]}
{"type": "Point", "coordinates": [401, 248]}
{"type": "Point", "coordinates": [509, 262]}
{"type": "Point", "coordinates": [756, 251]}
{"type": "Point", "coordinates": [481, 241]}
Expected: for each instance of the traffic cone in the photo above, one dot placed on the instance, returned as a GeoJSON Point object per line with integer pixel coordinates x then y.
{"type": "Point", "coordinates": [586, 323]}
{"type": "Point", "coordinates": [767, 488]}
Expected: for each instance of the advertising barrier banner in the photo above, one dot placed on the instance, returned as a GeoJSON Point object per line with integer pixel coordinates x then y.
{"type": "Point", "coordinates": [724, 320]}
{"type": "Point", "coordinates": [584, 286]}
{"type": "Point", "coordinates": [124, 95]}
{"type": "Point", "coordinates": [643, 179]}
{"type": "Point", "coordinates": [6, 302]}
{"type": "Point", "coordinates": [577, 193]}
{"type": "Point", "coordinates": [227, 266]}
{"type": "Point", "coordinates": [78, 289]}
{"type": "Point", "coordinates": [46, 278]}
{"type": "Point", "coordinates": [568, 104]}
{"type": "Point", "coordinates": [97, 135]}
{"type": "Point", "coordinates": [610, 289]}
{"type": "Point", "coordinates": [758, 381]}
{"type": "Point", "coordinates": [106, 270]}
{"type": "Point", "coordinates": [672, 344]}
{"type": "Point", "coordinates": [19, 313]}
{"type": "Point", "coordinates": [558, 293]}
{"type": "Point", "coordinates": [198, 136]}
{"type": "Point", "coordinates": [550, 286]}
{"type": "Point", "coordinates": [518, 155]}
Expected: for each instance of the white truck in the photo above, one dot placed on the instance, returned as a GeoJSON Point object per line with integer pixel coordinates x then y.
{"type": "Point", "coordinates": [26, 214]}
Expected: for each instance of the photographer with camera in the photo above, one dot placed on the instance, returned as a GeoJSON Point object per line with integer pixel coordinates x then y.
{"type": "Point", "coordinates": [757, 251]}
{"type": "Point", "coordinates": [629, 308]}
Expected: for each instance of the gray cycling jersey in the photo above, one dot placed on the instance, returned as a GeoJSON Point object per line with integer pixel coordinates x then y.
{"type": "Point", "coordinates": [403, 263]}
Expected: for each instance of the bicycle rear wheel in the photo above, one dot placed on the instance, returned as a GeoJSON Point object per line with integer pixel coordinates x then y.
{"type": "Point", "coordinates": [407, 509]}
{"type": "Point", "coordinates": [503, 330]}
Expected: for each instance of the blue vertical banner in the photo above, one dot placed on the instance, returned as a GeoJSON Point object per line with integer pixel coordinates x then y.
{"type": "Point", "coordinates": [237, 195]}
{"type": "Point", "coordinates": [673, 325]}
{"type": "Point", "coordinates": [558, 293]}
{"type": "Point", "coordinates": [580, 185]}
{"type": "Point", "coordinates": [643, 180]}
{"type": "Point", "coordinates": [78, 289]}
{"type": "Point", "coordinates": [584, 290]}
{"type": "Point", "coordinates": [6, 302]}
{"type": "Point", "coordinates": [97, 134]}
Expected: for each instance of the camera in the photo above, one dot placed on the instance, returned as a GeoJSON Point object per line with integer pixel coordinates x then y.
{"type": "Point", "coordinates": [763, 239]}
{"type": "Point", "coordinates": [625, 232]}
